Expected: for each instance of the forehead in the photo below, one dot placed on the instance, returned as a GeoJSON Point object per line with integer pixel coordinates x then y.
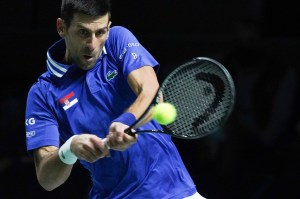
{"type": "Point", "coordinates": [82, 20]}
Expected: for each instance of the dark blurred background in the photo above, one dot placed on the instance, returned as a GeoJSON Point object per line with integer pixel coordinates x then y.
{"type": "Point", "coordinates": [255, 155]}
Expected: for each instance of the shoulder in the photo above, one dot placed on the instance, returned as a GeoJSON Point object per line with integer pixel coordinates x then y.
{"type": "Point", "coordinates": [119, 30]}
{"type": "Point", "coordinates": [41, 85]}
{"type": "Point", "coordinates": [120, 33]}
{"type": "Point", "coordinates": [119, 38]}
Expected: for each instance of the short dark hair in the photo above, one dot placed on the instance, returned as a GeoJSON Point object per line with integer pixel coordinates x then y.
{"type": "Point", "coordinates": [88, 7]}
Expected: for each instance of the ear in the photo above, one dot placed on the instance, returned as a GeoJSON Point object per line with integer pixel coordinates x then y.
{"type": "Point", "coordinates": [108, 26]}
{"type": "Point", "coordinates": [60, 26]}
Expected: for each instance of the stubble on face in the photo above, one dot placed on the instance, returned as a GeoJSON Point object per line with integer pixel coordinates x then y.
{"type": "Point", "coordinates": [85, 39]}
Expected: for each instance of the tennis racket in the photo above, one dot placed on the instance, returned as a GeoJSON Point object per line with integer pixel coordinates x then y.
{"type": "Point", "coordinates": [203, 92]}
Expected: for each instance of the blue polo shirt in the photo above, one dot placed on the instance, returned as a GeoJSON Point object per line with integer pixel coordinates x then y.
{"type": "Point", "coordinates": [66, 100]}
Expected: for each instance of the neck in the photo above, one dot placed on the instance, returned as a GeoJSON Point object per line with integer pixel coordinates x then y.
{"type": "Point", "coordinates": [66, 59]}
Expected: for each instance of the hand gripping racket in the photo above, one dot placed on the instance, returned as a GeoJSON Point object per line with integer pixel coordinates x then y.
{"type": "Point", "coordinates": [203, 92]}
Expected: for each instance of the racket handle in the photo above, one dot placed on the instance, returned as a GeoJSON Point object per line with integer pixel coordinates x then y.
{"type": "Point", "coordinates": [129, 132]}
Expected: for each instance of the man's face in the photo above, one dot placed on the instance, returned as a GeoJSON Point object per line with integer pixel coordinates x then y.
{"type": "Point", "coordinates": [85, 38]}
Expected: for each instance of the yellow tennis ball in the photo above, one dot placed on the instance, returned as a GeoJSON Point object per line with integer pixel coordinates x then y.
{"type": "Point", "coordinates": [164, 113]}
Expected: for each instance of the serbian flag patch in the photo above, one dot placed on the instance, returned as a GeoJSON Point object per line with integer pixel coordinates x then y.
{"type": "Point", "coordinates": [68, 101]}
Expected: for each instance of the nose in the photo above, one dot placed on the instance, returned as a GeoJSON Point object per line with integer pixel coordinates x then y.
{"type": "Point", "coordinates": [92, 42]}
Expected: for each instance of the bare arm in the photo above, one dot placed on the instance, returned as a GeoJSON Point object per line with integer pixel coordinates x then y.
{"type": "Point", "coordinates": [52, 172]}
{"type": "Point", "coordinates": [144, 84]}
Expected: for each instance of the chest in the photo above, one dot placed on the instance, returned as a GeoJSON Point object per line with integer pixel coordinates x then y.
{"type": "Point", "coordinates": [88, 102]}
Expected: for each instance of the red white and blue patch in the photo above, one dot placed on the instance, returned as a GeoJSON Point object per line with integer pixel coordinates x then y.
{"type": "Point", "coordinates": [68, 101]}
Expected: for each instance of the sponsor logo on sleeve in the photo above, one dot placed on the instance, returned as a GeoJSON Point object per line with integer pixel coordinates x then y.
{"type": "Point", "coordinates": [134, 55]}
{"type": "Point", "coordinates": [30, 134]}
{"type": "Point", "coordinates": [68, 101]}
{"type": "Point", "coordinates": [133, 45]}
{"type": "Point", "coordinates": [129, 45]}
{"type": "Point", "coordinates": [123, 53]}
{"type": "Point", "coordinates": [30, 121]}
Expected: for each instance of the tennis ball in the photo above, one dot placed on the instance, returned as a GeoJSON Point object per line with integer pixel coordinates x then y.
{"type": "Point", "coordinates": [164, 113]}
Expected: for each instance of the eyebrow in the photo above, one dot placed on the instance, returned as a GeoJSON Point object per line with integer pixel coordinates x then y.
{"type": "Point", "coordinates": [81, 26]}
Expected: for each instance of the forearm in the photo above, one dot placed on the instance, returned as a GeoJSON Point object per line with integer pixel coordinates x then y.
{"type": "Point", "coordinates": [145, 85]}
{"type": "Point", "coordinates": [141, 103]}
{"type": "Point", "coordinates": [50, 170]}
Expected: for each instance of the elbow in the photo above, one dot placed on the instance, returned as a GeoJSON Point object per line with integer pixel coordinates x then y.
{"type": "Point", "coordinates": [50, 185]}
{"type": "Point", "coordinates": [48, 188]}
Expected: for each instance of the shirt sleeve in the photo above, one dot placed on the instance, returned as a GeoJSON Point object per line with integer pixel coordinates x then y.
{"type": "Point", "coordinates": [130, 53]}
{"type": "Point", "coordinates": [41, 126]}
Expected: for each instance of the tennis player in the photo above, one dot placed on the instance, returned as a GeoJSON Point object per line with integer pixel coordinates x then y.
{"type": "Point", "coordinates": [99, 79]}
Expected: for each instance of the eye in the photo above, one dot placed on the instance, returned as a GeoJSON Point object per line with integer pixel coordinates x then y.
{"type": "Point", "coordinates": [101, 33]}
{"type": "Point", "coordinates": [83, 32]}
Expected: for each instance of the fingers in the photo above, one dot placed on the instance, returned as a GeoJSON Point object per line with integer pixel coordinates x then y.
{"type": "Point", "coordinates": [90, 148]}
{"type": "Point", "coordinates": [101, 147]}
{"type": "Point", "coordinates": [130, 138]}
{"type": "Point", "coordinates": [105, 143]}
{"type": "Point", "coordinates": [117, 139]}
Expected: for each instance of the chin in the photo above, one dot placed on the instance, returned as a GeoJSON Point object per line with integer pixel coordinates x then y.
{"type": "Point", "coordinates": [87, 66]}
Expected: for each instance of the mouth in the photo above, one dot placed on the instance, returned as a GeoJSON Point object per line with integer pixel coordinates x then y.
{"type": "Point", "coordinates": [88, 57]}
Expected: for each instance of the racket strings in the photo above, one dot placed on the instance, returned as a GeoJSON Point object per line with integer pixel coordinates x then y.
{"type": "Point", "coordinates": [202, 101]}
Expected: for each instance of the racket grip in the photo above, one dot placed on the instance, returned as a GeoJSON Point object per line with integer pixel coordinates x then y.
{"type": "Point", "coordinates": [129, 132]}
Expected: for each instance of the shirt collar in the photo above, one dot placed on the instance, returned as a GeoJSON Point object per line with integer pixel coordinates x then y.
{"type": "Point", "coordinates": [56, 51]}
